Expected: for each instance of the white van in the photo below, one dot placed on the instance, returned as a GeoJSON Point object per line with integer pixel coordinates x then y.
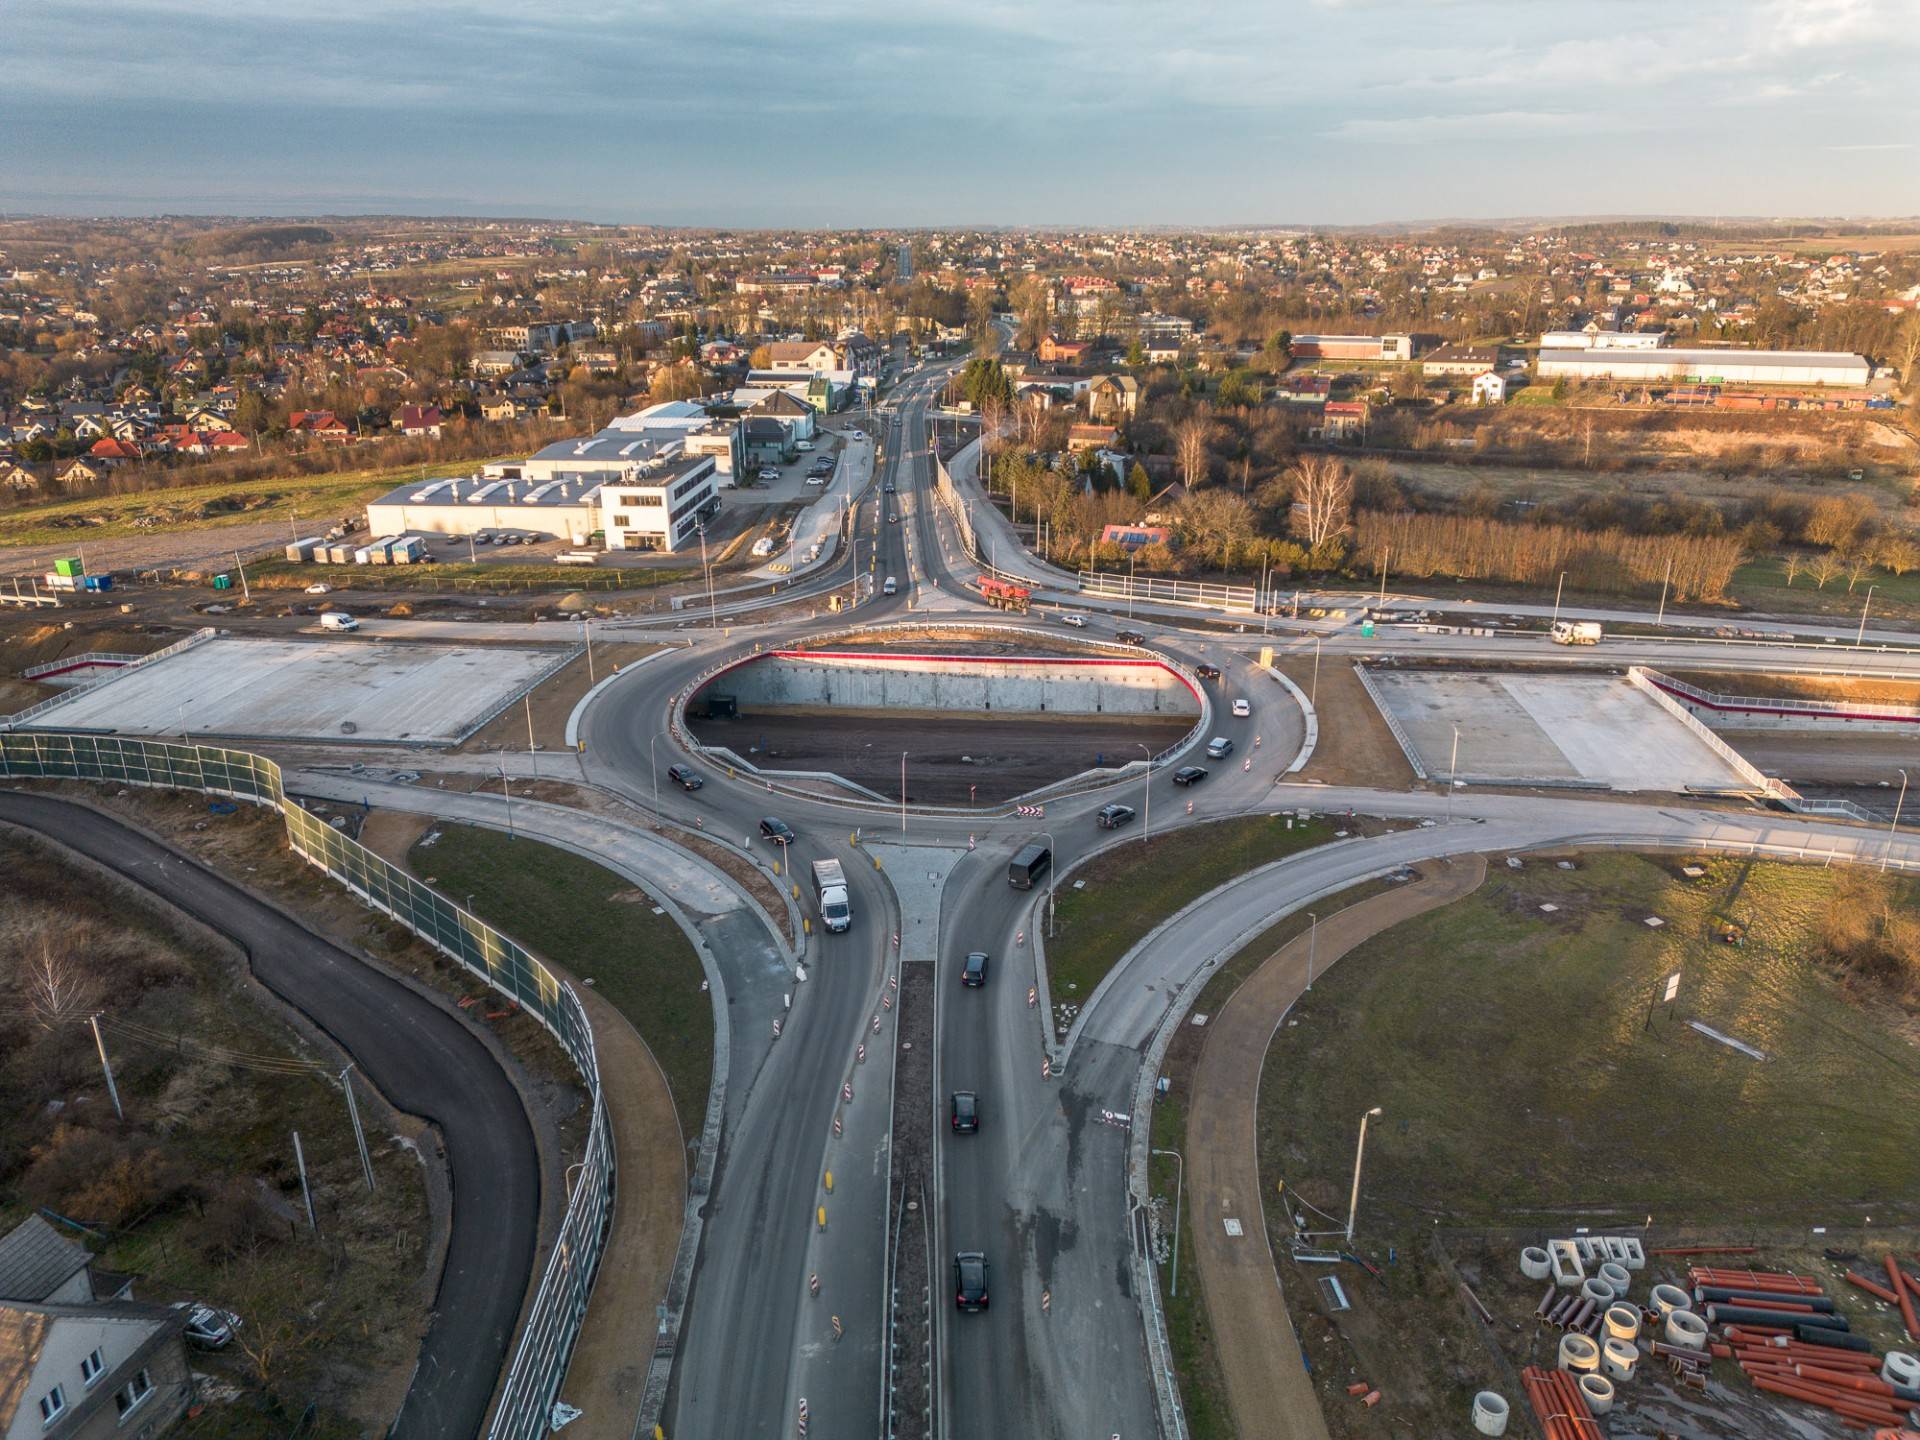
{"type": "Point", "coordinates": [338, 620]}
{"type": "Point", "coordinates": [892, 587]}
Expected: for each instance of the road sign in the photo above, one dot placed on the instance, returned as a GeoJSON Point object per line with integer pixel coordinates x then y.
{"type": "Point", "coordinates": [1673, 987]}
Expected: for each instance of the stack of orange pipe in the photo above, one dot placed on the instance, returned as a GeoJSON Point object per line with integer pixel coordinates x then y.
{"type": "Point", "coordinates": [1903, 1287]}
{"type": "Point", "coordinates": [1559, 1405]}
{"type": "Point", "coordinates": [1844, 1382]}
{"type": "Point", "coordinates": [1774, 1282]}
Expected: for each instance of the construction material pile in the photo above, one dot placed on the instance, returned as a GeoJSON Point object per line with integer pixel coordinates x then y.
{"type": "Point", "coordinates": [1784, 1333]}
{"type": "Point", "coordinates": [1559, 1406]}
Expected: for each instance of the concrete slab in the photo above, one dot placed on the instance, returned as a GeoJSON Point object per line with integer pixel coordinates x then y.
{"type": "Point", "coordinates": [1553, 729]}
{"type": "Point", "coordinates": [361, 690]}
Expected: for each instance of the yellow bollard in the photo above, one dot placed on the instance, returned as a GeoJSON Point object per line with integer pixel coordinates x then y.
{"type": "Point", "coordinates": [876, 862]}
{"type": "Point", "coordinates": [806, 925]}
{"type": "Point", "coordinates": [821, 1217]}
{"type": "Point", "coordinates": [829, 1182]}
{"type": "Point", "coordinates": [776, 867]}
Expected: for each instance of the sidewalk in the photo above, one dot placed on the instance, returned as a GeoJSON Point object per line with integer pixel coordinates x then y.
{"type": "Point", "coordinates": [1268, 1387]}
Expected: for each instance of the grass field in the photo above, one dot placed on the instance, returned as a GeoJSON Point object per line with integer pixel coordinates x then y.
{"type": "Point", "coordinates": [1761, 584]}
{"type": "Point", "coordinates": [211, 505]}
{"type": "Point", "coordinates": [1130, 889]}
{"type": "Point", "coordinates": [1511, 1051]}
{"type": "Point", "coordinates": [494, 578]}
{"type": "Point", "coordinates": [597, 926]}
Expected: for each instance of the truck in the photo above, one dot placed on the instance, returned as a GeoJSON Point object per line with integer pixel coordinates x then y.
{"type": "Point", "coordinates": [830, 889]}
{"type": "Point", "coordinates": [1005, 595]}
{"type": "Point", "coordinates": [1576, 632]}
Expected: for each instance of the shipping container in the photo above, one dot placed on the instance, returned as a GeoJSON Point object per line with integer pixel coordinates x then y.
{"type": "Point", "coordinates": [98, 582]}
{"type": "Point", "coordinates": [73, 567]}
{"type": "Point", "coordinates": [301, 551]}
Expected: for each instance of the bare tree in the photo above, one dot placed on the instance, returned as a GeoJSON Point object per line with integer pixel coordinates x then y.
{"type": "Point", "coordinates": [1322, 498]}
{"type": "Point", "coordinates": [1824, 566]}
{"type": "Point", "coordinates": [1191, 437]}
{"type": "Point", "coordinates": [58, 991]}
{"type": "Point", "coordinates": [1792, 561]}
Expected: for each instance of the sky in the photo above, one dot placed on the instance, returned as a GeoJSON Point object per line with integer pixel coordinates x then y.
{"type": "Point", "coordinates": [829, 113]}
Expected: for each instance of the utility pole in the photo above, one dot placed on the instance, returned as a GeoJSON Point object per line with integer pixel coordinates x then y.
{"type": "Point", "coordinates": [1359, 1153]}
{"type": "Point", "coordinates": [359, 1134]}
{"type": "Point", "coordinates": [101, 1045]}
{"type": "Point", "coordinates": [306, 1193]}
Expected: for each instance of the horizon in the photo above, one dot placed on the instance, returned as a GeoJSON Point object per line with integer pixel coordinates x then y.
{"type": "Point", "coordinates": [1360, 112]}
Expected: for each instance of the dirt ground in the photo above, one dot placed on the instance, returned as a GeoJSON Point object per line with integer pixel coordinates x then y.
{"type": "Point", "coordinates": [1356, 747]}
{"type": "Point", "coordinates": [948, 756]}
{"type": "Point", "coordinates": [1867, 688]}
{"type": "Point", "coordinates": [552, 702]}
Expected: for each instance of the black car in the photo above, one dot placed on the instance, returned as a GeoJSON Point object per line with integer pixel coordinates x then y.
{"type": "Point", "coordinates": [1112, 817]}
{"type": "Point", "coordinates": [1207, 672]}
{"type": "Point", "coordinates": [1130, 637]}
{"type": "Point", "coordinates": [889, 487]}
{"type": "Point", "coordinates": [965, 1110]}
{"type": "Point", "coordinates": [893, 518]}
{"type": "Point", "coordinates": [778, 831]}
{"type": "Point", "coordinates": [974, 972]}
{"type": "Point", "coordinates": [970, 1280]}
{"type": "Point", "coordinates": [1189, 774]}
{"type": "Point", "coordinates": [685, 776]}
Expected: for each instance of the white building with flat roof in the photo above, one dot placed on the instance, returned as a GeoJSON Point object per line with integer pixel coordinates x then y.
{"type": "Point", "coordinates": [1732, 367]}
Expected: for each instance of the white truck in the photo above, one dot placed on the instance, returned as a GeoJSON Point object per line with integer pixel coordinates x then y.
{"type": "Point", "coordinates": [1576, 632]}
{"type": "Point", "coordinates": [830, 889]}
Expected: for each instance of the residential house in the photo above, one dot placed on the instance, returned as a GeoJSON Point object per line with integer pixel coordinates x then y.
{"type": "Point", "coordinates": [1090, 437]}
{"type": "Point", "coordinates": [767, 442]}
{"type": "Point", "coordinates": [1112, 397]}
{"type": "Point", "coordinates": [492, 363]}
{"type": "Point", "coordinates": [17, 477]}
{"type": "Point", "coordinates": [321, 424]}
{"type": "Point", "coordinates": [89, 1371]}
{"type": "Point", "coordinates": [1133, 537]}
{"type": "Point", "coordinates": [802, 357]}
{"type": "Point", "coordinates": [1163, 350]}
{"type": "Point", "coordinates": [81, 471]}
{"type": "Point", "coordinates": [1055, 351]}
{"type": "Point", "coordinates": [111, 451]}
{"type": "Point", "coordinates": [1344, 420]}
{"type": "Point", "coordinates": [1462, 360]}
{"type": "Point", "coordinates": [1489, 388]}
{"type": "Point", "coordinates": [505, 408]}
{"type": "Point", "coordinates": [419, 420]}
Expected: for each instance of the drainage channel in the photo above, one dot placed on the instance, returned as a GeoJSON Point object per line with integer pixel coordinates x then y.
{"type": "Point", "coordinates": [909, 1401]}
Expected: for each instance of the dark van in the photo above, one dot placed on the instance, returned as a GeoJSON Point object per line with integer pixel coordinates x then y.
{"type": "Point", "coordinates": [1029, 865]}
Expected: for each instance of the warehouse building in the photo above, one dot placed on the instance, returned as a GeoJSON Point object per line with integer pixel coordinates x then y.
{"type": "Point", "coordinates": [1362, 347]}
{"type": "Point", "coordinates": [1603, 339]}
{"type": "Point", "coordinates": [648, 502]}
{"type": "Point", "coordinates": [1744, 367]}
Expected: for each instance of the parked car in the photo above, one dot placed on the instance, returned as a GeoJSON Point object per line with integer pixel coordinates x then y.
{"type": "Point", "coordinates": [319, 588]}
{"type": "Point", "coordinates": [970, 1280]}
{"type": "Point", "coordinates": [685, 776]}
{"type": "Point", "coordinates": [1112, 817]}
{"type": "Point", "coordinates": [766, 472]}
{"type": "Point", "coordinates": [1207, 672]}
{"type": "Point", "coordinates": [816, 479]}
{"type": "Point", "coordinates": [1219, 748]}
{"type": "Point", "coordinates": [974, 972]}
{"type": "Point", "coordinates": [778, 831]}
{"type": "Point", "coordinates": [803, 444]}
{"type": "Point", "coordinates": [207, 1327]}
{"type": "Point", "coordinates": [1241, 709]}
{"type": "Point", "coordinates": [964, 1108]}
{"type": "Point", "coordinates": [1189, 774]}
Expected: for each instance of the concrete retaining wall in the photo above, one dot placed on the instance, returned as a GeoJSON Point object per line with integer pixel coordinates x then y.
{"type": "Point", "coordinates": [1053, 684]}
{"type": "Point", "coordinates": [1747, 712]}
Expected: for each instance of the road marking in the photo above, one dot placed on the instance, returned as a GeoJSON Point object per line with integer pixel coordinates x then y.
{"type": "Point", "coordinates": [1233, 1227]}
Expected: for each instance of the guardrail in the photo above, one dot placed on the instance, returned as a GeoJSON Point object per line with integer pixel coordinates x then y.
{"type": "Point", "coordinates": [1769, 705]}
{"type": "Point", "coordinates": [80, 662]}
{"type": "Point", "coordinates": [1203, 594]}
{"type": "Point", "coordinates": [1393, 722]}
{"type": "Point", "coordinates": [553, 1323]}
{"type": "Point", "coordinates": [199, 637]}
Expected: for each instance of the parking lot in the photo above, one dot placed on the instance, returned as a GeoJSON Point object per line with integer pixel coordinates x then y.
{"type": "Point", "coordinates": [361, 690]}
{"type": "Point", "coordinates": [1551, 729]}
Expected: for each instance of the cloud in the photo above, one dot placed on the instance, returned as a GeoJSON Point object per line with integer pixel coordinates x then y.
{"type": "Point", "coordinates": [1855, 149]}
{"type": "Point", "coordinates": [1432, 129]}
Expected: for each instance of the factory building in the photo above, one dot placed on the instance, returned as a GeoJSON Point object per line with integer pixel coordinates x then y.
{"type": "Point", "coordinates": [1603, 339]}
{"type": "Point", "coordinates": [1710, 367]}
{"type": "Point", "coordinates": [1362, 347]}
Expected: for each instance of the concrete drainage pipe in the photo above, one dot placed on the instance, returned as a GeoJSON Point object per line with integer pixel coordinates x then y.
{"type": "Point", "coordinates": [1535, 1263]}
{"type": "Point", "coordinates": [1688, 1329]}
{"type": "Point", "coordinates": [1597, 1391]}
{"type": "Point", "coordinates": [1578, 1354]}
{"type": "Point", "coordinates": [1490, 1411]}
{"type": "Point", "coordinates": [1669, 1298]}
{"type": "Point", "coordinates": [1618, 1357]}
{"type": "Point", "coordinates": [1617, 1277]}
{"type": "Point", "coordinates": [1598, 1291]}
{"type": "Point", "coordinates": [1900, 1368]}
{"type": "Point", "coordinates": [1623, 1322]}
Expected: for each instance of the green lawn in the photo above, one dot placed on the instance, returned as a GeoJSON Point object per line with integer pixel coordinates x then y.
{"type": "Point", "coordinates": [1132, 888]}
{"type": "Point", "coordinates": [1511, 1051]}
{"type": "Point", "coordinates": [461, 575]}
{"type": "Point", "coordinates": [1761, 584]}
{"type": "Point", "coordinates": [598, 927]}
{"type": "Point", "coordinates": [211, 505]}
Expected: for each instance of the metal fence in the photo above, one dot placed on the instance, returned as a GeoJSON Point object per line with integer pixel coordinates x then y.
{"type": "Point", "coordinates": [1240, 599]}
{"type": "Point", "coordinates": [199, 637]}
{"type": "Point", "coordinates": [546, 1343]}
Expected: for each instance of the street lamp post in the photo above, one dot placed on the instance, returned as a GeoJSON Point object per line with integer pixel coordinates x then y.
{"type": "Point", "coordinates": [1052, 870]}
{"type": "Point", "coordinates": [713, 612]}
{"type": "Point", "coordinates": [903, 792]}
{"type": "Point", "coordinates": [1557, 589]}
{"type": "Point", "coordinates": [1893, 829]}
{"type": "Point", "coordinates": [1313, 692]}
{"type": "Point", "coordinates": [1179, 1182]}
{"type": "Point", "coordinates": [1453, 773]}
{"type": "Point", "coordinates": [1861, 635]}
{"type": "Point", "coordinates": [1130, 560]}
{"type": "Point", "coordinates": [586, 625]}
{"type": "Point", "coordinates": [1146, 790]}
{"type": "Point", "coordinates": [654, 765]}
{"type": "Point", "coordinates": [1665, 580]}
{"type": "Point", "coordinates": [1359, 1153]}
{"type": "Point", "coordinates": [1313, 943]}
{"type": "Point", "coordinates": [507, 790]}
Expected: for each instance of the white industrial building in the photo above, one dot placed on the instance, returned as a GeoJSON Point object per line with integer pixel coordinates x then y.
{"type": "Point", "coordinates": [1603, 339]}
{"type": "Point", "coordinates": [652, 501]}
{"type": "Point", "coordinates": [1732, 367]}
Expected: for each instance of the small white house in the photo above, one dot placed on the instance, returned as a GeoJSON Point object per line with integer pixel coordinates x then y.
{"type": "Point", "coordinates": [1489, 389]}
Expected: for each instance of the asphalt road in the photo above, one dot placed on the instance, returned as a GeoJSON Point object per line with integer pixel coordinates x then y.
{"type": "Point", "coordinates": [422, 1059]}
